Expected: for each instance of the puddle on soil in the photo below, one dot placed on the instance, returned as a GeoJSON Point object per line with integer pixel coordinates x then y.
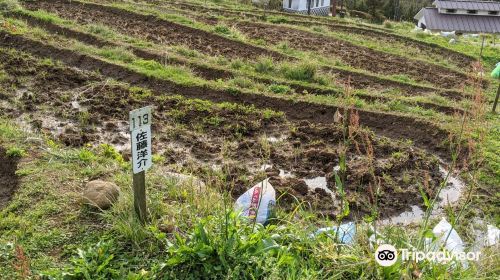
{"type": "Point", "coordinates": [285, 174]}
{"type": "Point", "coordinates": [408, 217]}
{"type": "Point", "coordinates": [319, 183]}
{"type": "Point", "coordinates": [273, 139]}
{"type": "Point", "coordinates": [449, 195]}
{"type": "Point", "coordinates": [264, 167]}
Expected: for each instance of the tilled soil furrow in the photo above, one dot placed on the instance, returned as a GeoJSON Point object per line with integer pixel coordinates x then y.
{"type": "Point", "coordinates": [201, 70]}
{"type": "Point", "coordinates": [455, 57]}
{"type": "Point", "coordinates": [152, 28]}
{"type": "Point", "coordinates": [356, 56]}
{"type": "Point", "coordinates": [205, 71]}
{"type": "Point", "coordinates": [306, 151]}
{"type": "Point", "coordinates": [358, 80]}
{"type": "Point", "coordinates": [423, 134]}
{"type": "Point", "coordinates": [166, 32]}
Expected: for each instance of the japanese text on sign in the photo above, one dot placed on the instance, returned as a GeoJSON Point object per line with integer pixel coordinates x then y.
{"type": "Point", "coordinates": [140, 127]}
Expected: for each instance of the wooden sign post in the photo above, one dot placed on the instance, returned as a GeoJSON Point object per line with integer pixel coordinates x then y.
{"type": "Point", "coordinates": [142, 159]}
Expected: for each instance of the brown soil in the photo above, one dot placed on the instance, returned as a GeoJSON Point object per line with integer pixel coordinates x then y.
{"type": "Point", "coordinates": [205, 72]}
{"type": "Point", "coordinates": [210, 73]}
{"type": "Point", "coordinates": [356, 56]}
{"type": "Point", "coordinates": [152, 28]}
{"type": "Point", "coordinates": [423, 134]}
{"type": "Point", "coordinates": [8, 178]}
{"type": "Point", "coordinates": [133, 25]}
{"type": "Point", "coordinates": [358, 80]}
{"type": "Point", "coordinates": [457, 58]}
{"type": "Point", "coordinates": [308, 150]}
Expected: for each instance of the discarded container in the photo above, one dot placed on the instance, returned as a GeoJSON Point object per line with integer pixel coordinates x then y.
{"type": "Point", "coordinates": [492, 235]}
{"type": "Point", "coordinates": [346, 232]}
{"type": "Point", "coordinates": [258, 202]}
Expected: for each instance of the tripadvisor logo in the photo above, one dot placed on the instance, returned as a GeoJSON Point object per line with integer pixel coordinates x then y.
{"type": "Point", "coordinates": [386, 255]}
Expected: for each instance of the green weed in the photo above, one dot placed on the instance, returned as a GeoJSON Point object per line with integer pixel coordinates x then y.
{"type": "Point", "coordinates": [264, 65]}
{"type": "Point", "coordinates": [16, 152]}
{"type": "Point", "coordinates": [300, 72]}
{"type": "Point", "coordinates": [280, 89]}
{"type": "Point", "coordinates": [9, 5]}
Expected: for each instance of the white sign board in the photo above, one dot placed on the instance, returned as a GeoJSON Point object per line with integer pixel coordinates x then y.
{"type": "Point", "coordinates": [140, 134]}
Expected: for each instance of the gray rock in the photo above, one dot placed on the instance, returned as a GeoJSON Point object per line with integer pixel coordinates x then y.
{"type": "Point", "coordinates": [101, 194]}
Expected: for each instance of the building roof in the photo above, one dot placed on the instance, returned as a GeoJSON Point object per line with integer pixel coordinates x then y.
{"type": "Point", "coordinates": [460, 23]}
{"type": "Point", "coordinates": [468, 5]}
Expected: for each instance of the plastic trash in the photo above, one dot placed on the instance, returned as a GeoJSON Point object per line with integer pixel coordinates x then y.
{"type": "Point", "coordinates": [258, 202]}
{"type": "Point", "coordinates": [448, 237]}
{"type": "Point", "coordinates": [448, 34]}
{"type": "Point", "coordinates": [346, 232]}
{"type": "Point", "coordinates": [496, 72]}
{"type": "Point", "coordinates": [492, 235]}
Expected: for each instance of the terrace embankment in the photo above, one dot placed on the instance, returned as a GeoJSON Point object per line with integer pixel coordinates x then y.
{"type": "Point", "coordinates": [195, 134]}
{"type": "Point", "coordinates": [152, 28]}
{"type": "Point", "coordinates": [432, 49]}
{"type": "Point", "coordinates": [359, 80]}
{"type": "Point", "coordinates": [422, 133]}
{"type": "Point", "coordinates": [167, 32]}
{"type": "Point", "coordinates": [211, 73]}
{"type": "Point", "coordinates": [353, 55]}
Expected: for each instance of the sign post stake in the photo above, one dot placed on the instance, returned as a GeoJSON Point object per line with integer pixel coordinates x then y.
{"type": "Point", "coordinates": [496, 99]}
{"type": "Point", "coordinates": [142, 160]}
{"type": "Point", "coordinates": [140, 195]}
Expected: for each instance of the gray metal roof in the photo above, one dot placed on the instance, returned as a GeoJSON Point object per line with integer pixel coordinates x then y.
{"type": "Point", "coordinates": [468, 5]}
{"type": "Point", "coordinates": [460, 23]}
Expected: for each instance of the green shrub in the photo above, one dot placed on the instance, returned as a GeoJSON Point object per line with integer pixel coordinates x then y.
{"type": "Point", "coordinates": [9, 5]}
{"type": "Point", "coordinates": [222, 29]}
{"type": "Point", "coordinates": [277, 19]}
{"type": "Point", "coordinates": [243, 82]}
{"type": "Point", "coordinates": [388, 24]}
{"type": "Point", "coordinates": [237, 64]}
{"type": "Point", "coordinates": [264, 65]}
{"type": "Point", "coordinates": [101, 30]}
{"type": "Point", "coordinates": [280, 89]}
{"type": "Point", "coordinates": [15, 152]}
{"type": "Point", "coordinates": [301, 72]}
{"type": "Point", "coordinates": [86, 156]}
{"type": "Point", "coordinates": [94, 262]}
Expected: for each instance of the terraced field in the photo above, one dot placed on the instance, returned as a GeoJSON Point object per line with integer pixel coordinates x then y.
{"type": "Point", "coordinates": [250, 94]}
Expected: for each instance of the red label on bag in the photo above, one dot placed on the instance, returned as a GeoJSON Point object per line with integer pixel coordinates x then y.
{"type": "Point", "coordinates": [254, 203]}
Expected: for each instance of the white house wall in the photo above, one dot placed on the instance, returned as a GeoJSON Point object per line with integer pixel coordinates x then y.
{"type": "Point", "coordinates": [318, 7]}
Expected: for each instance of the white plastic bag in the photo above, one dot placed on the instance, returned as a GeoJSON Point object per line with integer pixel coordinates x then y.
{"type": "Point", "coordinates": [258, 202]}
{"type": "Point", "coordinates": [448, 237]}
{"type": "Point", "coordinates": [346, 232]}
{"type": "Point", "coordinates": [492, 235]}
